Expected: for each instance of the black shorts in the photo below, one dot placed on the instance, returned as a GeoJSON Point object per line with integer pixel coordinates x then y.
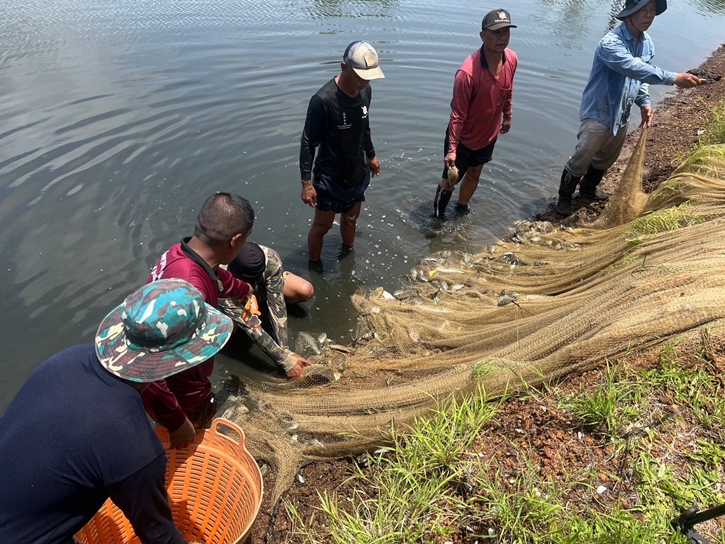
{"type": "Point", "coordinates": [334, 198]}
{"type": "Point", "coordinates": [466, 157]}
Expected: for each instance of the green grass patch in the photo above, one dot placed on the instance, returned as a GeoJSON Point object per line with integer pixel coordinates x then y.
{"type": "Point", "coordinates": [610, 407]}
{"type": "Point", "coordinates": [664, 220]}
{"type": "Point", "coordinates": [652, 436]}
{"type": "Point", "coordinates": [715, 130]}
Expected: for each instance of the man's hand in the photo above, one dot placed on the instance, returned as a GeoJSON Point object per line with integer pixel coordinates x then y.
{"type": "Point", "coordinates": [648, 115]}
{"type": "Point", "coordinates": [450, 160]}
{"type": "Point", "coordinates": [374, 165]}
{"type": "Point", "coordinates": [309, 194]}
{"type": "Point", "coordinates": [299, 369]}
{"type": "Point", "coordinates": [685, 81]}
{"type": "Point", "coordinates": [182, 436]}
{"type": "Point", "coordinates": [505, 125]}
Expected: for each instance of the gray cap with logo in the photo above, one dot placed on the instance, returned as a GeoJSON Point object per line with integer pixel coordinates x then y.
{"type": "Point", "coordinates": [362, 57]}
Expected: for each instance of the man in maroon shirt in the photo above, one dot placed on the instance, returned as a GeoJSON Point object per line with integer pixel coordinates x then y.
{"type": "Point", "coordinates": [480, 110]}
{"type": "Point", "coordinates": [184, 402]}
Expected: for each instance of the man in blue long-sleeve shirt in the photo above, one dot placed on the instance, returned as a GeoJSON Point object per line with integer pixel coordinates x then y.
{"type": "Point", "coordinates": [76, 433]}
{"type": "Point", "coordinates": [621, 74]}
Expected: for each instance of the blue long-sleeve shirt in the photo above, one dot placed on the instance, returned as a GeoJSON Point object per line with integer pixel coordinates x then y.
{"type": "Point", "coordinates": [621, 75]}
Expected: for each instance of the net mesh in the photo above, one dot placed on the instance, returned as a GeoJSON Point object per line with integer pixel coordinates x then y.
{"type": "Point", "coordinates": [548, 301]}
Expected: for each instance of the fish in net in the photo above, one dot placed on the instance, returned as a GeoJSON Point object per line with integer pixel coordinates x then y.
{"type": "Point", "coordinates": [548, 301]}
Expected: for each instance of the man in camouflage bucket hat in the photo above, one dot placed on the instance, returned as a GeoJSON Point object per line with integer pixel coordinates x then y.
{"type": "Point", "coordinates": [76, 433]}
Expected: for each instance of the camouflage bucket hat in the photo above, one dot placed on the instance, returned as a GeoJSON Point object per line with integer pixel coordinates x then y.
{"type": "Point", "coordinates": [163, 328]}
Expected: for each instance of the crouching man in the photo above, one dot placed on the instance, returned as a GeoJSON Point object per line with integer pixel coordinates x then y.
{"type": "Point", "coordinates": [76, 433]}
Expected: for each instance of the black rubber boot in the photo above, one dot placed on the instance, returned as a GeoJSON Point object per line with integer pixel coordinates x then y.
{"type": "Point", "coordinates": [461, 209]}
{"type": "Point", "coordinates": [440, 201]}
{"type": "Point", "coordinates": [588, 185]}
{"type": "Point", "coordinates": [567, 186]}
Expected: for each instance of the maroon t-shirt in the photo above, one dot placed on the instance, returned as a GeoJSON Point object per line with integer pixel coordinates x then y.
{"type": "Point", "coordinates": [168, 400]}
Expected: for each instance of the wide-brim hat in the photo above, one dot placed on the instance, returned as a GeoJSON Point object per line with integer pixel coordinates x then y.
{"type": "Point", "coordinates": [161, 329]}
{"type": "Point", "coordinates": [633, 6]}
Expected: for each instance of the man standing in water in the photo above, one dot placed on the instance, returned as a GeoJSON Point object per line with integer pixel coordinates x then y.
{"type": "Point", "coordinates": [620, 76]}
{"type": "Point", "coordinates": [338, 122]}
{"type": "Point", "coordinates": [480, 110]}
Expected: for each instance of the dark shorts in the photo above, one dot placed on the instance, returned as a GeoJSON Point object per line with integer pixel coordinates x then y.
{"type": "Point", "coordinates": [466, 157]}
{"type": "Point", "coordinates": [335, 198]}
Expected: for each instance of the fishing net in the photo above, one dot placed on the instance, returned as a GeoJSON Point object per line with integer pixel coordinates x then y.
{"type": "Point", "coordinates": [545, 302]}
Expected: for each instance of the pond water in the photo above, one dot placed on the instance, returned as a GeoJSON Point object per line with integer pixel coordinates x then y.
{"type": "Point", "coordinates": [118, 119]}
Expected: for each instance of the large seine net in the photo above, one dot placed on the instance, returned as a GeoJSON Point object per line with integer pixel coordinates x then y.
{"type": "Point", "coordinates": [546, 302]}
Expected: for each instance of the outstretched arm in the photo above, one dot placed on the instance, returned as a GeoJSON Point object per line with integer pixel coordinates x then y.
{"type": "Point", "coordinates": [613, 53]}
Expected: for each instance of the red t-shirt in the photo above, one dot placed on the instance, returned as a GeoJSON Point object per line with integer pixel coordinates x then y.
{"type": "Point", "coordinates": [168, 400]}
{"type": "Point", "coordinates": [480, 101]}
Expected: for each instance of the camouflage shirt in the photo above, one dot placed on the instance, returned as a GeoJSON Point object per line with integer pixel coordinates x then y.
{"type": "Point", "coordinates": [269, 292]}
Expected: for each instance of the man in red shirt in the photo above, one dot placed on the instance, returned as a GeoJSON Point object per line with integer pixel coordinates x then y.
{"type": "Point", "coordinates": [480, 110]}
{"type": "Point", "coordinates": [184, 402]}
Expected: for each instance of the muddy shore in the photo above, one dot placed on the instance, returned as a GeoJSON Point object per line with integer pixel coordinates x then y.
{"type": "Point", "coordinates": [679, 121]}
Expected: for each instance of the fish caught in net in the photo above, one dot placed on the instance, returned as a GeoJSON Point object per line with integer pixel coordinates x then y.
{"type": "Point", "coordinates": [546, 302]}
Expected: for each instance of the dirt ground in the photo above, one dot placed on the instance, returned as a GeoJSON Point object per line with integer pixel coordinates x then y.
{"type": "Point", "coordinates": [546, 430]}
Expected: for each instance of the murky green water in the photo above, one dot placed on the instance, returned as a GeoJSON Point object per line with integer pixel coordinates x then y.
{"type": "Point", "coordinates": [118, 119]}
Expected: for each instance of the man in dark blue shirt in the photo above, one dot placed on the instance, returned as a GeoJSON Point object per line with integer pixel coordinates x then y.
{"type": "Point", "coordinates": [76, 433]}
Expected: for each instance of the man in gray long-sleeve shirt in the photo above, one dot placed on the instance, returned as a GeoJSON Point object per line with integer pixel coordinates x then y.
{"type": "Point", "coordinates": [338, 122]}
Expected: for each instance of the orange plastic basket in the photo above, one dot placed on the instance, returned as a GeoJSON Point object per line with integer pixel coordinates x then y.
{"type": "Point", "coordinates": [215, 490]}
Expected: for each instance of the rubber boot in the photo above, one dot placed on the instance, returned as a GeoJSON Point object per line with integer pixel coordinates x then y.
{"type": "Point", "coordinates": [440, 201]}
{"type": "Point", "coordinates": [588, 185]}
{"type": "Point", "coordinates": [567, 186]}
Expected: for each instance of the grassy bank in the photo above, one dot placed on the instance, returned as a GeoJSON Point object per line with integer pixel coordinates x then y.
{"type": "Point", "coordinates": [608, 457]}
{"type": "Point", "coordinates": [654, 437]}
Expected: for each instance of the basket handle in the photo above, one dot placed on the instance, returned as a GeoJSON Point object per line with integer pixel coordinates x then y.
{"type": "Point", "coordinates": [221, 422]}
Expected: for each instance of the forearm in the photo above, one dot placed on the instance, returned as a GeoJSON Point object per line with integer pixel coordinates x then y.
{"type": "Point", "coordinates": [278, 315]}
{"type": "Point", "coordinates": [462, 89]}
{"type": "Point", "coordinates": [143, 500]}
{"type": "Point", "coordinates": [267, 344]}
{"type": "Point", "coordinates": [642, 99]}
{"type": "Point", "coordinates": [258, 335]}
{"type": "Point", "coordinates": [508, 105]}
{"type": "Point", "coordinates": [312, 135]}
{"type": "Point", "coordinates": [162, 405]}
{"type": "Point", "coordinates": [368, 142]}
{"type": "Point", "coordinates": [307, 157]}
